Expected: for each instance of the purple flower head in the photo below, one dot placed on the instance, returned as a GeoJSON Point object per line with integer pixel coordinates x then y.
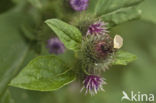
{"type": "Point", "coordinates": [93, 84]}
{"type": "Point", "coordinates": [79, 5]}
{"type": "Point", "coordinates": [97, 28]}
{"type": "Point", "coordinates": [55, 46]}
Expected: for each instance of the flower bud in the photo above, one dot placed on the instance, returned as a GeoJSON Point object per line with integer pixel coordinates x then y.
{"type": "Point", "coordinates": [79, 5]}
{"type": "Point", "coordinates": [55, 46]}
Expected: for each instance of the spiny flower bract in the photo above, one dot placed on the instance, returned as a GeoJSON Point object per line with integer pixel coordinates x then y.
{"type": "Point", "coordinates": [104, 47]}
{"type": "Point", "coordinates": [97, 53]}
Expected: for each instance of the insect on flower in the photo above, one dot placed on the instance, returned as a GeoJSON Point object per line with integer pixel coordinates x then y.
{"type": "Point", "coordinates": [93, 84]}
{"type": "Point", "coordinates": [118, 41]}
{"type": "Point", "coordinates": [103, 49]}
{"type": "Point", "coordinates": [55, 46]}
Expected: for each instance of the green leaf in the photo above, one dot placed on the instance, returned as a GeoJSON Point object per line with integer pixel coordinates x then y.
{"type": "Point", "coordinates": [123, 58]}
{"type": "Point", "coordinates": [115, 11]}
{"type": "Point", "coordinates": [13, 47]}
{"type": "Point", "coordinates": [68, 34]}
{"type": "Point", "coordinates": [120, 16]}
{"type": "Point", "coordinates": [107, 6]}
{"type": "Point", "coordinates": [44, 73]}
{"type": "Point", "coordinates": [148, 7]}
{"type": "Point", "coordinates": [6, 98]}
{"type": "Point", "coordinates": [28, 32]}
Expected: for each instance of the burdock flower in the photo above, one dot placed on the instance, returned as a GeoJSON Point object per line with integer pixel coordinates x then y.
{"type": "Point", "coordinates": [104, 47]}
{"type": "Point", "coordinates": [97, 28]}
{"type": "Point", "coordinates": [79, 5]}
{"type": "Point", "coordinates": [93, 84]}
{"type": "Point", "coordinates": [55, 46]}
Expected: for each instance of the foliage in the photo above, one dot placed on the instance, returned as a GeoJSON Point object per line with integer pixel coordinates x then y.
{"type": "Point", "coordinates": [31, 75]}
{"type": "Point", "coordinates": [50, 72]}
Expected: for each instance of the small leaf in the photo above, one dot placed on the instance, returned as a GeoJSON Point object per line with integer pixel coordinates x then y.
{"type": "Point", "coordinates": [120, 16]}
{"type": "Point", "coordinates": [123, 58]}
{"type": "Point", "coordinates": [68, 34]}
{"type": "Point", "coordinates": [44, 73]}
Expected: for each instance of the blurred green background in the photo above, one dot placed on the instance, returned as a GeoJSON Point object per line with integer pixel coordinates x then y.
{"type": "Point", "coordinates": [139, 39]}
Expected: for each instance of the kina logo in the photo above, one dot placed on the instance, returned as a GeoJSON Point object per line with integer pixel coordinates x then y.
{"type": "Point", "coordinates": [140, 97]}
